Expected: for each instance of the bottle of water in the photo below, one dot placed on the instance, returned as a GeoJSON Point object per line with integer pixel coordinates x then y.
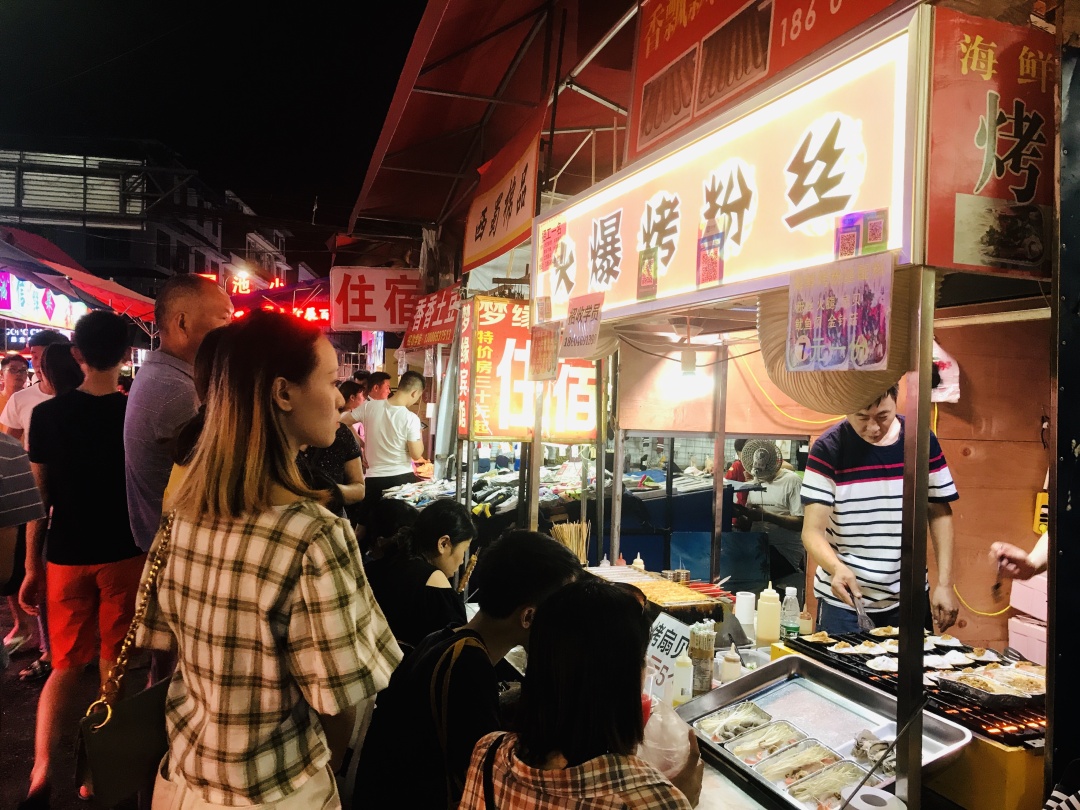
{"type": "Point", "coordinates": [789, 614]}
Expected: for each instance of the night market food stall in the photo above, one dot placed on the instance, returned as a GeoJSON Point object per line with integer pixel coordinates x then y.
{"type": "Point", "coordinates": [835, 202]}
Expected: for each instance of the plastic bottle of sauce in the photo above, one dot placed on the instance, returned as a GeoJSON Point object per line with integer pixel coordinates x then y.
{"type": "Point", "coordinates": [638, 563]}
{"type": "Point", "coordinates": [620, 561]}
{"type": "Point", "coordinates": [730, 667]}
{"type": "Point", "coordinates": [605, 562]}
{"type": "Point", "coordinates": [768, 617]}
{"type": "Point", "coordinates": [683, 679]}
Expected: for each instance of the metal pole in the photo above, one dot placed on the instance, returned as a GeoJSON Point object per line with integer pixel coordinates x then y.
{"type": "Point", "coordinates": [618, 460]}
{"type": "Point", "coordinates": [438, 398]}
{"type": "Point", "coordinates": [720, 429]}
{"type": "Point", "coordinates": [909, 686]}
{"type": "Point", "coordinates": [601, 455]}
{"type": "Point", "coordinates": [1062, 699]}
{"type": "Point", "coordinates": [554, 106]}
{"type": "Point", "coordinates": [457, 471]}
{"type": "Point", "coordinates": [536, 459]}
{"type": "Point", "coordinates": [584, 482]}
{"type": "Point", "coordinates": [470, 454]}
{"type": "Point", "coordinates": [669, 501]}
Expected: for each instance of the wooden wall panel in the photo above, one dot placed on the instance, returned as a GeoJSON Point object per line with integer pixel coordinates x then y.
{"type": "Point", "coordinates": [991, 439]}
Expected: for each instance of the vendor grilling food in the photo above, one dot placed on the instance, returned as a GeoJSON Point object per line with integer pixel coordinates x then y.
{"type": "Point", "coordinates": [775, 508]}
{"type": "Point", "coordinates": [853, 493]}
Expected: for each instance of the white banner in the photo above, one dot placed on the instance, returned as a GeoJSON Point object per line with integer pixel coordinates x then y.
{"type": "Point", "coordinates": [375, 299]}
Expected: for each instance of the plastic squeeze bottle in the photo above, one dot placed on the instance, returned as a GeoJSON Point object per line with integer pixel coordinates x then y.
{"type": "Point", "coordinates": [768, 617]}
{"type": "Point", "coordinates": [684, 680]}
{"type": "Point", "coordinates": [731, 666]}
{"type": "Point", "coordinates": [605, 562]}
{"type": "Point", "coordinates": [789, 614]}
{"type": "Point", "coordinates": [638, 563]}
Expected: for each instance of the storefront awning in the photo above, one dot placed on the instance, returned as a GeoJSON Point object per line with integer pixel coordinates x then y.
{"type": "Point", "coordinates": [51, 259]}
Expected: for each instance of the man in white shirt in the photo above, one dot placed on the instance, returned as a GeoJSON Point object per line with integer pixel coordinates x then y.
{"type": "Point", "coordinates": [15, 418]}
{"type": "Point", "coordinates": [391, 435]}
{"type": "Point", "coordinates": [777, 510]}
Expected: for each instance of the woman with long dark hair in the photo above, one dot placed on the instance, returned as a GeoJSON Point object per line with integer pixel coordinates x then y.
{"type": "Point", "coordinates": [580, 718]}
{"type": "Point", "coordinates": [262, 595]}
{"type": "Point", "coordinates": [411, 580]}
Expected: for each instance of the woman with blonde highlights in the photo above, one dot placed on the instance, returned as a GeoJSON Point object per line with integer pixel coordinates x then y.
{"type": "Point", "coordinates": [277, 635]}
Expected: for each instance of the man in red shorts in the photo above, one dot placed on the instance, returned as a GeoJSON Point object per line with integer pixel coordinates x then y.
{"type": "Point", "coordinates": [93, 566]}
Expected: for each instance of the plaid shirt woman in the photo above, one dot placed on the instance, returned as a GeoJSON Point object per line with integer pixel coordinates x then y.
{"type": "Point", "coordinates": [263, 597]}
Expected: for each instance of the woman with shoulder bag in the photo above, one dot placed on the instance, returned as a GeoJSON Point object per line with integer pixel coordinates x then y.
{"type": "Point", "coordinates": [261, 593]}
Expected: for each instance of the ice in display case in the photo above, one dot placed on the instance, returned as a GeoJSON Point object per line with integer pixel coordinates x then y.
{"type": "Point", "coordinates": [822, 705]}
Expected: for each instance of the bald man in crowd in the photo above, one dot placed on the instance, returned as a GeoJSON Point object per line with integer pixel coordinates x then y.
{"type": "Point", "coordinates": [162, 397]}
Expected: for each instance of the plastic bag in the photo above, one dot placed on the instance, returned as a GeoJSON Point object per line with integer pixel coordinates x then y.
{"type": "Point", "coordinates": [667, 743]}
{"type": "Point", "coordinates": [948, 387]}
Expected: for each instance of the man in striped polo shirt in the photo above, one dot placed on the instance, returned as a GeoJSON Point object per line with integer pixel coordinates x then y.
{"type": "Point", "coordinates": [853, 492]}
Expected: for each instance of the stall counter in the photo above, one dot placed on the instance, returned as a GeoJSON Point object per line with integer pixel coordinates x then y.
{"type": "Point", "coordinates": [720, 793]}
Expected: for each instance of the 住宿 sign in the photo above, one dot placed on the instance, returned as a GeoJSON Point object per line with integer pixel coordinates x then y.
{"type": "Point", "coordinates": [375, 299]}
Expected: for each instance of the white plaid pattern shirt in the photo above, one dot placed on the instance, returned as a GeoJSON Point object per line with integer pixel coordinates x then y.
{"type": "Point", "coordinates": [273, 622]}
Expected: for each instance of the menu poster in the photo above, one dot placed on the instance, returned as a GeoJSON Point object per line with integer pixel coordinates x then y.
{"type": "Point", "coordinates": [582, 326]}
{"type": "Point", "coordinates": [670, 638]}
{"type": "Point", "coordinates": [838, 316]}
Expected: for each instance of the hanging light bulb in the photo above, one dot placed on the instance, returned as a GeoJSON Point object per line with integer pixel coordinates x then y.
{"type": "Point", "coordinates": [689, 362]}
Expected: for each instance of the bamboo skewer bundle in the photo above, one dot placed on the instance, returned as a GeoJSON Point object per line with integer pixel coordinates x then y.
{"type": "Point", "coordinates": [575, 536]}
{"type": "Point", "coordinates": [468, 573]}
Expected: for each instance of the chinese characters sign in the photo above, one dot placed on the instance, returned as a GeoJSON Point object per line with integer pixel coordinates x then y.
{"type": "Point", "coordinates": [991, 145]}
{"type": "Point", "coordinates": [379, 299]}
{"type": "Point", "coordinates": [582, 326]}
{"type": "Point", "coordinates": [495, 343]}
{"type": "Point", "coordinates": [838, 316]}
{"type": "Point", "coordinates": [669, 639]}
{"type": "Point", "coordinates": [694, 57]}
{"type": "Point", "coordinates": [758, 197]}
{"type": "Point", "coordinates": [501, 214]}
{"type": "Point", "coordinates": [434, 319]}
{"type": "Point", "coordinates": [27, 302]}
{"type": "Point", "coordinates": [570, 403]}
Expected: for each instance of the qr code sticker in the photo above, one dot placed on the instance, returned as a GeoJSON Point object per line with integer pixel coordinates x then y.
{"type": "Point", "coordinates": [849, 244]}
{"type": "Point", "coordinates": [875, 231]}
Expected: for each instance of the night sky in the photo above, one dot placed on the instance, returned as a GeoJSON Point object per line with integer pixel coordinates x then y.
{"type": "Point", "coordinates": [278, 102]}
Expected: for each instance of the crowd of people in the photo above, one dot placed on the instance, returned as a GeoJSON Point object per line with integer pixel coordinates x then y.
{"type": "Point", "coordinates": [307, 627]}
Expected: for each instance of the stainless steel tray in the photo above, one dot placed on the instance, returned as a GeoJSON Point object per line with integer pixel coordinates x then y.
{"type": "Point", "coordinates": [827, 705]}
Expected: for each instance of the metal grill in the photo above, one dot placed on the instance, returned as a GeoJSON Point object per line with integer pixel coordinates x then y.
{"type": "Point", "coordinates": [1025, 726]}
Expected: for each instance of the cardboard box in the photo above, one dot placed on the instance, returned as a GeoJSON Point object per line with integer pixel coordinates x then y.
{"type": "Point", "coordinates": [1030, 596]}
{"type": "Point", "coordinates": [1028, 637]}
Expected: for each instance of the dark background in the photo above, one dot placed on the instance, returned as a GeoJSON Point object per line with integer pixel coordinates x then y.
{"type": "Point", "coordinates": [278, 102]}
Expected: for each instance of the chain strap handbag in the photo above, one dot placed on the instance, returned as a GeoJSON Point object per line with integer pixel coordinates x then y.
{"type": "Point", "coordinates": [121, 742]}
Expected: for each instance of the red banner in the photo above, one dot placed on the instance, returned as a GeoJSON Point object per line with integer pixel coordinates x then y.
{"type": "Point", "coordinates": [434, 320]}
{"type": "Point", "coordinates": [494, 370]}
{"type": "Point", "coordinates": [695, 57]}
{"type": "Point", "coordinates": [991, 177]}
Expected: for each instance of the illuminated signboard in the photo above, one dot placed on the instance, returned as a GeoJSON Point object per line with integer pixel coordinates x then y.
{"type": "Point", "coordinates": [992, 135]}
{"type": "Point", "coordinates": [760, 196]}
{"type": "Point", "coordinates": [693, 58]}
{"type": "Point", "coordinates": [24, 301]}
{"type": "Point", "coordinates": [570, 406]}
{"type": "Point", "coordinates": [434, 320]}
{"type": "Point", "coordinates": [319, 315]}
{"type": "Point", "coordinates": [372, 299]}
{"type": "Point", "coordinates": [494, 371]}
